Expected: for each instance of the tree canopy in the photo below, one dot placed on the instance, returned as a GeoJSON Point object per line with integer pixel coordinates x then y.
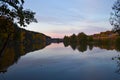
{"type": "Point", "coordinates": [13, 10]}
{"type": "Point", "coordinates": [115, 17]}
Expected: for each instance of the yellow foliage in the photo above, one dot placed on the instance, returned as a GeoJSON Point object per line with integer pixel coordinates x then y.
{"type": "Point", "coordinates": [22, 36]}
{"type": "Point", "coordinates": [8, 58]}
{"type": "Point", "coordinates": [22, 49]}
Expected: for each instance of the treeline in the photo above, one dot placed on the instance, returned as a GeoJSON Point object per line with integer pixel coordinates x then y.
{"type": "Point", "coordinates": [11, 32]}
{"type": "Point", "coordinates": [16, 42]}
{"type": "Point", "coordinates": [23, 36]}
{"type": "Point", "coordinates": [82, 41]}
{"type": "Point", "coordinates": [81, 38]}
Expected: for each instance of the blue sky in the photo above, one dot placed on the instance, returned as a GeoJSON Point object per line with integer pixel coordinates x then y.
{"type": "Point", "coordinates": [57, 18]}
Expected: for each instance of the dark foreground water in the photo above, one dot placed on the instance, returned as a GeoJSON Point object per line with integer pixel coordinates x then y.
{"type": "Point", "coordinates": [56, 62]}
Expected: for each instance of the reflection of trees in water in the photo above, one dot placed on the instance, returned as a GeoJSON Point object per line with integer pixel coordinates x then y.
{"type": "Point", "coordinates": [73, 46]}
{"type": "Point", "coordinates": [90, 46]}
{"type": "Point", "coordinates": [118, 44]}
{"type": "Point", "coordinates": [2, 77]}
{"type": "Point", "coordinates": [15, 50]}
{"type": "Point", "coordinates": [84, 46]}
{"type": "Point", "coordinates": [117, 59]}
{"type": "Point", "coordinates": [81, 47]}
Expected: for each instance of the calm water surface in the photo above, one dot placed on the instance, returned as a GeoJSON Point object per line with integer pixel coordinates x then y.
{"type": "Point", "coordinates": [56, 62]}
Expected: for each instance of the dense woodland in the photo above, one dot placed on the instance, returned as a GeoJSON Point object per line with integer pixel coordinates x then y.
{"type": "Point", "coordinates": [104, 40]}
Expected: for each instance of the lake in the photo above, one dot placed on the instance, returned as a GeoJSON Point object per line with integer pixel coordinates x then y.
{"type": "Point", "coordinates": [56, 62]}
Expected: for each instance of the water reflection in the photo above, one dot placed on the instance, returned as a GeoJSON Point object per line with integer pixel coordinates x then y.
{"type": "Point", "coordinates": [14, 51]}
{"type": "Point", "coordinates": [117, 59]}
{"type": "Point", "coordinates": [84, 46]}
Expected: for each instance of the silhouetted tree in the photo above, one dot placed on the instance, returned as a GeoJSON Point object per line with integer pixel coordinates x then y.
{"type": "Point", "coordinates": [73, 38]}
{"type": "Point", "coordinates": [82, 38]}
{"type": "Point", "coordinates": [115, 17]}
{"type": "Point", "coordinates": [13, 10]}
{"type": "Point", "coordinates": [66, 41]}
{"type": "Point", "coordinates": [90, 38]}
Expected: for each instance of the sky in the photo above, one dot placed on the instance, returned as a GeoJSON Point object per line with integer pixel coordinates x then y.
{"type": "Point", "coordinates": [57, 18]}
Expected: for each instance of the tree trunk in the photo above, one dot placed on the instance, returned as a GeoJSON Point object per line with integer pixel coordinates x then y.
{"type": "Point", "coordinates": [5, 45]}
